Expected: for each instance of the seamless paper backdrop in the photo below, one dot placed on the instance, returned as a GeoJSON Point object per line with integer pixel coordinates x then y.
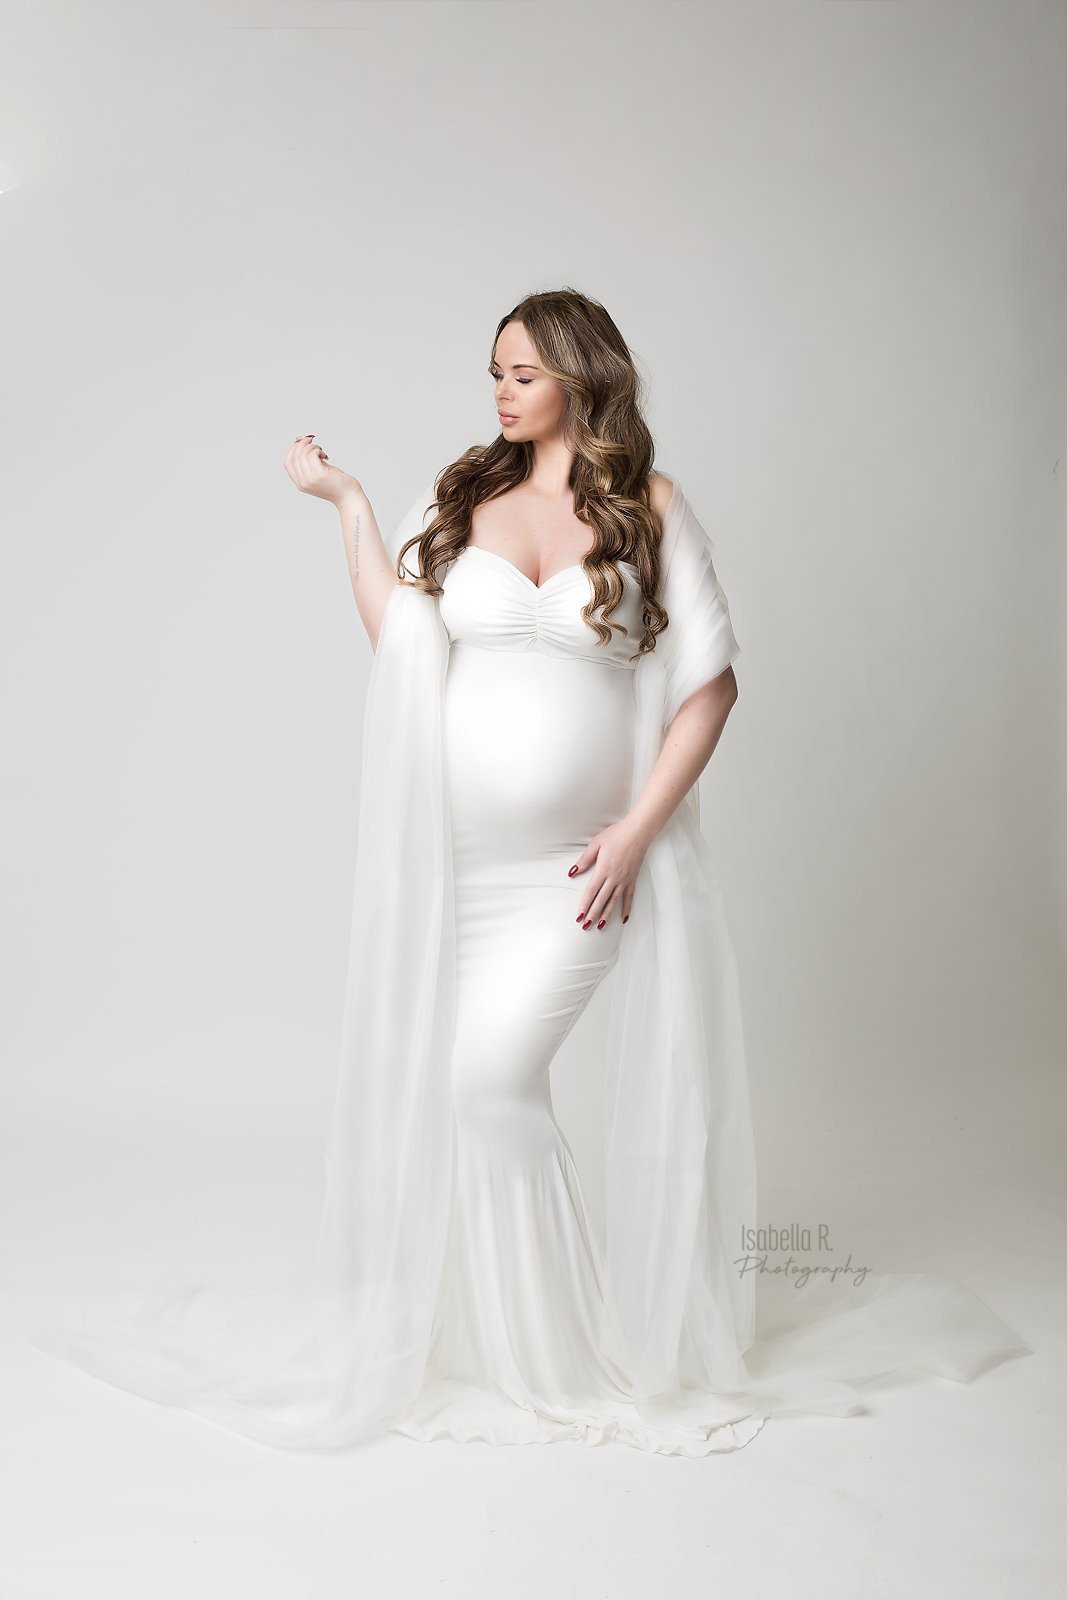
{"type": "Point", "coordinates": [226, 226]}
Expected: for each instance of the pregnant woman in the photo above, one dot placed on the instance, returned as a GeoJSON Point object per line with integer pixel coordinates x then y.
{"type": "Point", "coordinates": [553, 668]}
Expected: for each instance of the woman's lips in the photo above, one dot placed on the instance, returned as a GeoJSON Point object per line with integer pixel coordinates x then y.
{"type": "Point", "coordinates": [507, 416]}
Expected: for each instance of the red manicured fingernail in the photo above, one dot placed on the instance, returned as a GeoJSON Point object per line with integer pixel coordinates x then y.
{"type": "Point", "coordinates": [579, 917]}
{"type": "Point", "coordinates": [573, 870]}
{"type": "Point", "coordinates": [588, 924]}
{"type": "Point", "coordinates": [600, 924]}
{"type": "Point", "coordinates": [626, 918]}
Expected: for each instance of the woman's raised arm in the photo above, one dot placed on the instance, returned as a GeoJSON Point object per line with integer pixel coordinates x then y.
{"type": "Point", "coordinates": [370, 568]}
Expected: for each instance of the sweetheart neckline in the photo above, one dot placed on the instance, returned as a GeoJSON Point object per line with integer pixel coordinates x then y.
{"type": "Point", "coordinates": [575, 566]}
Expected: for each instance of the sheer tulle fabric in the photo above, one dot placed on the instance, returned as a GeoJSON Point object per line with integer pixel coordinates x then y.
{"type": "Point", "coordinates": [673, 1321]}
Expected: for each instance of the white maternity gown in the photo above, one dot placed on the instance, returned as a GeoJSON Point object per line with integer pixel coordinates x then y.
{"type": "Point", "coordinates": [460, 1291]}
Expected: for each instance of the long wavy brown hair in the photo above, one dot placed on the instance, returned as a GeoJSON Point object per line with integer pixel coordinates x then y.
{"type": "Point", "coordinates": [579, 345]}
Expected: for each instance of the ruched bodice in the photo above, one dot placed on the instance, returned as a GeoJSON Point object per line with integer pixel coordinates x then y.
{"type": "Point", "coordinates": [539, 721]}
{"type": "Point", "coordinates": [489, 602]}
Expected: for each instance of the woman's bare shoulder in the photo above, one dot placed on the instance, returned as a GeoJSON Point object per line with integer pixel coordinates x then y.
{"type": "Point", "coordinates": [660, 488]}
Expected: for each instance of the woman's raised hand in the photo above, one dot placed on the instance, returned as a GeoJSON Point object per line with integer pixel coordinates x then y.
{"type": "Point", "coordinates": [309, 467]}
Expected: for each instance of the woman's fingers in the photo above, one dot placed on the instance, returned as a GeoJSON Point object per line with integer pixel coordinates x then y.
{"type": "Point", "coordinates": [306, 462]}
{"type": "Point", "coordinates": [294, 461]}
{"type": "Point", "coordinates": [305, 451]}
{"type": "Point", "coordinates": [586, 859]}
{"type": "Point", "coordinates": [609, 907]}
{"type": "Point", "coordinates": [590, 901]}
{"type": "Point", "coordinates": [599, 907]}
{"type": "Point", "coordinates": [600, 898]}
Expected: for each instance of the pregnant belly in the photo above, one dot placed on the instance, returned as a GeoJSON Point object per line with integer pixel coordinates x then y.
{"type": "Point", "coordinates": [539, 754]}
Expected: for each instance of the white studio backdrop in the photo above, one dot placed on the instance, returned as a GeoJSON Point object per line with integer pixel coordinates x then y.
{"type": "Point", "coordinates": [834, 237]}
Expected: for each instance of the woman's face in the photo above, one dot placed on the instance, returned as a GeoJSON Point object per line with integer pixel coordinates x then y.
{"type": "Point", "coordinates": [529, 402]}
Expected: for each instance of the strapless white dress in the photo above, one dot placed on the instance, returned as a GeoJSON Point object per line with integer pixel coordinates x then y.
{"type": "Point", "coordinates": [539, 734]}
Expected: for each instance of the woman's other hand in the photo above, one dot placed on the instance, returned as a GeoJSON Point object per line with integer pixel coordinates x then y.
{"type": "Point", "coordinates": [615, 855]}
{"type": "Point", "coordinates": [309, 467]}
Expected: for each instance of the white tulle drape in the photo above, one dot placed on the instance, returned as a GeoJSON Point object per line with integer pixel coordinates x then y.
{"type": "Point", "coordinates": [680, 1170]}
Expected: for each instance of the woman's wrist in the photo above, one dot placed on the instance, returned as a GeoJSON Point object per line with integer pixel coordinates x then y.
{"type": "Point", "coordinates": [352, 497]}
{"type": "Point", "coordinates": [643, 825]}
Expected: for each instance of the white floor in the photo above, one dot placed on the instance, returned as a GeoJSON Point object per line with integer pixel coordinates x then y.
{"type": "Point", "coordinates": [940, 1490]}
